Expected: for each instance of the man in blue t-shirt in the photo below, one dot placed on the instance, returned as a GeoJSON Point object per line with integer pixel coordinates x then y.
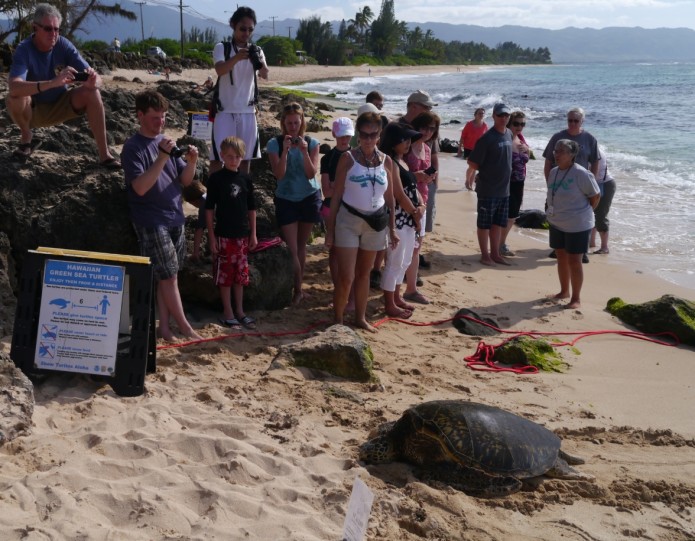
{"type": "Point", "coordinates": [43, 66]}
{"type": "Point", "coordinates": [492, 160]}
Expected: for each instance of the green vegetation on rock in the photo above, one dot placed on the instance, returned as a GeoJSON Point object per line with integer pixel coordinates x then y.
{"type": "Point", "coordinates": [536, 352]}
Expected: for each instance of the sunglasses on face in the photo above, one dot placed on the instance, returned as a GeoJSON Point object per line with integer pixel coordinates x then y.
{"type": "Point", "coordinates": [518, 124]}
{"type": "Point", "coordinates": [573, 120]}
{"type": "Point", "coordinates": [369, 135]}
{"type": "Point", "coordinates": [49, 29]}
{"type": "Point", "coordinates": [248, 29]}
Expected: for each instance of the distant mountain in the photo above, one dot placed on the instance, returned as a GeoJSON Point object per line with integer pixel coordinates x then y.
{"type": "Point", "coordinates": [615, 44]}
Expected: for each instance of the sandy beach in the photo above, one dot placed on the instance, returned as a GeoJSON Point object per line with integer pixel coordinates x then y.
{"type": "Point", "coordinates": [220, 447]}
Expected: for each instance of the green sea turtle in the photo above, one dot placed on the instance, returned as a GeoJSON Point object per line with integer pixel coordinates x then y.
{"type": "Point", "coordinates": [479, 449]}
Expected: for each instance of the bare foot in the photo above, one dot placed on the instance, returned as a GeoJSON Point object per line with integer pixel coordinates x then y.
{"type": "Point", "coordinates": [501, 261]}
{"type": "Point", "coordinates": [560, 296]}
{"type": "Point", "coordinates": [402, 313]}
{"type": "Point", "coordinates": [487, 261]}
{"type": "Point", "coordinates": [574, 304]}
{"type": "Point", "coordinates": [167, 335]}
{"type": "Point", "coordinates": [364, 324]}
{"type": "Point", "coordinates": [404, 305]}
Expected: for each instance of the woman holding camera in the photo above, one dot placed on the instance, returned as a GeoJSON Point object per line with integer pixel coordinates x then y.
{"type": "Point", "coordinates": [294, 160]}
{"type": "Point", "coordinates": [235, 98]}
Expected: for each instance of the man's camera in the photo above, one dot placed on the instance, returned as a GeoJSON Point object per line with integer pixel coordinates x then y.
{"type": "Point", "coordinates": [177, 152]}
{"type": "Point", "coordinates": [81, 76]}
{"type": "Point", "coordinates": [255, 56]}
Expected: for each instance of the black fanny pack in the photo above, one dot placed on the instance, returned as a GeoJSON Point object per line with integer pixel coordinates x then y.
{"type": "Point", "coordinates": [377, 220]}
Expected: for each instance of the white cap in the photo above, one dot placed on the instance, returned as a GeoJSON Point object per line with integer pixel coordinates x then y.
{"type": "Point", "coordinates": [343, 126]}
{"type": "Point", "coordinates": [367, 108]}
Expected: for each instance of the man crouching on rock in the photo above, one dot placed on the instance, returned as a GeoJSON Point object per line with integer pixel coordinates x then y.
{"type": "Point", "coordinates": [155, 175]}
{"type": "Point", "coordinates": [42, 67]}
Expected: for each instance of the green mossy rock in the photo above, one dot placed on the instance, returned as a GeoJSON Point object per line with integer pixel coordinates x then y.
{"type": "Point", "coordinates": [531, 351]}
{"type": "Point", "coordinates": [667, 313]}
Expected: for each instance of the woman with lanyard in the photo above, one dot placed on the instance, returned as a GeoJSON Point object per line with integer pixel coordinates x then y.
{"type": "Point", "coordinates": [572, 195]}
{"type": "Point", "coordinates": [362, 218]}
{"type": "Point", "coordinates": [294, 160]}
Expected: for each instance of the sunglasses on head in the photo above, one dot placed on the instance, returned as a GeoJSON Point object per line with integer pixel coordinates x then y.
{"type": "Point", "coordinates": [48, 28]}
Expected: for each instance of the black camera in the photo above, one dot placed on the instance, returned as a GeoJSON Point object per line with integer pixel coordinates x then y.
{"type": "Point", "coordinates": [81, 76]}
{"type": "Point", "coordinates": [177, 152]}
{"type": "Point", "coordinates": [255, 56]}
{"type": "Point", "coordinates": [431, 170]}
{"type": "Point", "coordinates": [296, 140]}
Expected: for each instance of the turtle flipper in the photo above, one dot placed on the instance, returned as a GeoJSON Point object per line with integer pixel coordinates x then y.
{"type": "Point", "coordinates": [471, 481]}
{"type": "Point", "coordinates": [570, 459]}
{"type": "Point", "coordinates": [562, 470]}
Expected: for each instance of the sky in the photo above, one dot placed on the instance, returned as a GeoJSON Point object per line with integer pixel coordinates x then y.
{"type": "Point", "coordinates": [550, 14]}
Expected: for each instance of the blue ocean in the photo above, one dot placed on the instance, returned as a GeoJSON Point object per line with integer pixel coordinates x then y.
{"type": "Point", "coordinates": [641, 114]}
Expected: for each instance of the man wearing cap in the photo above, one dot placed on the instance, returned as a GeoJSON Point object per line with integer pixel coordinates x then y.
{"type": "Point", "coordinates": [492, 160]}
{"type": "Point", "coordinates": [419, 102]}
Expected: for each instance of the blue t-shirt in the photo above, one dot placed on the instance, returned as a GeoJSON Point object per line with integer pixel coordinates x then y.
{"type": "Point", "coordinates": [162, 204]}
{"type": "Point", "coordinates": [294, 186]}
{"type": "Point", "coordinates": [30, 64]}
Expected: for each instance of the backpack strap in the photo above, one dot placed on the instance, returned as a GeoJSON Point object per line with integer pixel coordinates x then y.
{"type": "Point", "coordinates": [227, 46]}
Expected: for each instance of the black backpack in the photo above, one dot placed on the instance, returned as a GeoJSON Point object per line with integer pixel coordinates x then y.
{"type": "Point", "coordinates": [215, 104]}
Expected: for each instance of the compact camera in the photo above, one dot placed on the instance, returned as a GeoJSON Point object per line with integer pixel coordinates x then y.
{"type": "Point", "coordinates": [255, 56]}
{"type": "Point", "coordinates": [81, 76]}
{"type": "Point", "coordinates": [296, 140]}
{"type": "Point", "coordinates": [177, 152]}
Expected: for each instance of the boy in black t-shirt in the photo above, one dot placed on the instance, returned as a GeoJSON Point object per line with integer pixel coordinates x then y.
{"type": "Point", "coordinates": [230, 201]}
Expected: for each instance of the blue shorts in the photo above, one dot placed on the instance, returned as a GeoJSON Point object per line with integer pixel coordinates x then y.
{"type": "Point", "coordinates": [166, 248]}
{"type": "Point", "coordinates": [307, 210]}
{"type": "Point", "coordinates": [492, 211]}
{"type": "Point", "coordinates": [572, 243]}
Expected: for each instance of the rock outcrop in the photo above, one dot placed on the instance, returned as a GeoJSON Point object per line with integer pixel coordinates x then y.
{"type": "Point", "coordinates": [16, 401]}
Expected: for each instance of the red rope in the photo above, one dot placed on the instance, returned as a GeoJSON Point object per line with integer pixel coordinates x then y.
{"type": "Point", "coordinates": [482, 359]}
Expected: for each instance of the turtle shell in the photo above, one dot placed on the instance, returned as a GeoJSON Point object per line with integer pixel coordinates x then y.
{"type": "Point", "coordinates": [475, 436]}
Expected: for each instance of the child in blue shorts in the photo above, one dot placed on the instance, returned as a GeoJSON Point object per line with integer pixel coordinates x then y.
{"type": "Point", "coordinates": [231, 218]}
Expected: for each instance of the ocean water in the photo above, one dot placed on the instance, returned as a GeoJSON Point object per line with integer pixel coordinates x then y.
{"type": "Point", "coordinates": [641, 114]}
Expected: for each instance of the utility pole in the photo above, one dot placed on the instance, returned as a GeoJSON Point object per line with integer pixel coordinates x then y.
{"type": "Point", "coordinates": [142, 21]}
{"type": "Point", "coordinates": [181, 6]}
{"type": "Point", "coordinates": [274, 17]}
{"type": "Point", "coordinates": [289, 32]}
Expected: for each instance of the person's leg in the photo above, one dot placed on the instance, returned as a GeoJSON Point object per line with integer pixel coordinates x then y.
{"type": "Point", "coordinates": [483, 244]}
{"type": "Point", "coordinates": [304, 230]}
{"type": "Point", "coordinates": [289, 234]}
{"type": "Point", "coordinates": [20, 111]}
{"type": "Point", "coordinates": [89, 100]}
{"type": "Point", "coordinates": [576, 274]}
{"type": "Point", "coordinates": [169, 303]}
{"type": "Point", "coordinates": [505, 233]}
{"type": "Point", "coordinates": [238, 293]}
{"type": "Point", "coordinates": [346, 258]}
{"type": "Point", "coordinates": [393, 271]}
{"type": "Point", "coordinates": [226, 298]}
{"type": "Point", "coordinates": [495, 244]}
{"type": "Point", "coordinates": [364, 263]}
{"type": "Point", "coordinates": [563, 273]}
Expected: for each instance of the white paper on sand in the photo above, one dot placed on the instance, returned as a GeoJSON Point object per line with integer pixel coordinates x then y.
{"type": "Point", "coordinates": [359, 509]}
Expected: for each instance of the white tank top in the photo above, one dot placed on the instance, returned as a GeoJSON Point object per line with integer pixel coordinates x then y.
{"type": "Point", "coordinates": [365, 186]}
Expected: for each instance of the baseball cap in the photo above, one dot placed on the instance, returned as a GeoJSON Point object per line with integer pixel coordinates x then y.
{"type": "Point", "coordinates": [501, 109]}
{"type": "Point", "coordinates": [396, 133]}
{"type": "Point", "coordinates": [421, 97]}
{"type": "Point", "coordinates": [343, 126]}
{"type": "Point", "coordinates": [367, 108]}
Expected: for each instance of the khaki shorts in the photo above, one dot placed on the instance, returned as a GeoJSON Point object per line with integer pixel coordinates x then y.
{"type": "Point", "coordinates": [54, 113]}
{"type": "Point", "coordinates": [353, 232]}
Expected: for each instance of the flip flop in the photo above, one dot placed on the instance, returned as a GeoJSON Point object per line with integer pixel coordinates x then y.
{"type": "Point", "coordinates": [248, 322]}
{"type": "Point", "coordinates": [111, 163]}
{"type": "Point", "coordinates": [231, 323]}
{"type": "Point", "coordinates": [25, 150]}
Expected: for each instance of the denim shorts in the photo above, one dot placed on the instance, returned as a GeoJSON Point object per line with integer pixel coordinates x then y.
{"type": "Point", "coordinates": [492, 211]}
{"type": "Point", "coordinates": [307, 210]}
{"type": "Point", "coordinates": [572, 243]}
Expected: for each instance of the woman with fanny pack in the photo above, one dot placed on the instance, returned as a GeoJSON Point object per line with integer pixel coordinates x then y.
{"type": "Point", "coordinates": [362, 218]}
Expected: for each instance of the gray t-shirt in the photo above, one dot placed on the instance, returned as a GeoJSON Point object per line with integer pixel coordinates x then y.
{"type": "Point", "coordinates": [493, 156]}
{"type": "Point", "coordinates": [588, 147]}
{"type": "Point", "coordinates": [568, 199]}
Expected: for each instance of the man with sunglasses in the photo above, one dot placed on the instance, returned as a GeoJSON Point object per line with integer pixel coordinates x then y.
{"type": "Point", "coordinates": [43, 66]}
{"type": "Point", "coordinates": [588, 156]}
{"type": "Point", "coordinates": [237, 65]}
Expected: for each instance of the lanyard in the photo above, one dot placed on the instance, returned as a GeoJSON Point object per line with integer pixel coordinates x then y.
{"type": "Point", "coordinates": [555, 185]}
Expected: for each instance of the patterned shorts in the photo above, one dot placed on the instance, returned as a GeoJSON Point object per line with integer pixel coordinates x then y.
{"type": "Point", "coordinates": [166, 248]}
{"type": "Point", "coordinates": [232, 263]}
{"type": "Point", "coordinates": [492, 211]}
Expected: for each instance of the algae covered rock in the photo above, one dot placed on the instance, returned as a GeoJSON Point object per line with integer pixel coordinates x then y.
{"type": "Point", "coordinates": [531, 351]}
{"type": "Point", "coordinates": [338, 350]}
{"type": "Point", "coordinates": [667, 313]}
{"type": "Point", "coordinates": [473, 328]}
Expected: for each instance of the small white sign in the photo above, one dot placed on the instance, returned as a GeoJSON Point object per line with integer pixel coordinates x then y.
{"type": "Point", "coordinates": [199, 126]}
{"type": "Point", "coordinates": [359, 509]}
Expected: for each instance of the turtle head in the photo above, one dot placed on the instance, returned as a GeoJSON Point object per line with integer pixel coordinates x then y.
{"type": "Point", "coordinates": [378, 450]}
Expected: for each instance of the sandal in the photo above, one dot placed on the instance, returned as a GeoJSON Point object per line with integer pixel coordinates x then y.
{"type": "Point", "coordinates": [416, 297]}
{"type": "Point", "coordinates": [231, 323]}
{"type": "Point", "coordinates": [25, 150]}
{"type": "Point", "coordinates": [248, 322]}
{"type": "Point", "coordinates": [601, 251]}
{"type": "Point", "coordinates": [111, 163]}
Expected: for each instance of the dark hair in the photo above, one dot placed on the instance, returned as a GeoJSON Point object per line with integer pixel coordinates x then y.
{"type": "Point", "coordinates": [151, 99]}
{"type": "Point", "coordinates": [374, 95]}
{"type": "Point", "coordinates": [368, 118]}
{"type": "Point", "coordinates": [242, 13]}
{"type": "Point", "coordinates": [514, 116]}
{"type": "Point", "coordinates": [394, 134]}
{"type": "Point", "coordinates": [425, 119]}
